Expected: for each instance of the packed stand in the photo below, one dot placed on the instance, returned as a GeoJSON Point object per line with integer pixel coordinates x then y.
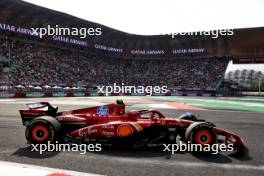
{"type": "Point", "coordinates": [34, 64]}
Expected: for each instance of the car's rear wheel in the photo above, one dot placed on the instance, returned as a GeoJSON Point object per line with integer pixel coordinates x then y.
{"type": "Point", "coordinates": [42, 129]}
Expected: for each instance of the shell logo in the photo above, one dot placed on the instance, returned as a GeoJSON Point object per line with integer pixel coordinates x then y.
{"type": "Point", "coordinates": [124, 130]}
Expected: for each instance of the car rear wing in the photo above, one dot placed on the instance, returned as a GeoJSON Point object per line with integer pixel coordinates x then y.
{"type": "Point", "coordinates": [36, 110]}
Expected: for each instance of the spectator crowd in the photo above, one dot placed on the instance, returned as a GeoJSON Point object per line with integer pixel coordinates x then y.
{"type": "Point", "coordinates": [35, 64]}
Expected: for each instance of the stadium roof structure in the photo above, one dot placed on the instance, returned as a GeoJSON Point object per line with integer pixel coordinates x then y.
{"type": "Point", "coordinates": [245, 43]}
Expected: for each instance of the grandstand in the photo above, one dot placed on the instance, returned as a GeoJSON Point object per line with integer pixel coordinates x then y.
{"type": "Point", "coordinates": [244, 79]}
{"type": "Point", "coordinates": [187, 63]}
{"type": "Point", "coordinates": [39, 65]}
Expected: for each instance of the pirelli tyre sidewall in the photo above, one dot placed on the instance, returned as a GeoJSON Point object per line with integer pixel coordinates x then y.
{"type": "Point", "coordinates": [41, 130]}
{"type": "Point", "coordinates": [201, 133]}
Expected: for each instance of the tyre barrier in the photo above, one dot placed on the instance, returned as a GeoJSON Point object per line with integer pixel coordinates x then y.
{"type": "Point", "coordinates": [59, 94]}
{"type": "Point", "coordinates": [34, 95]}
{"type": "Point", "coordinates": [6, 95]}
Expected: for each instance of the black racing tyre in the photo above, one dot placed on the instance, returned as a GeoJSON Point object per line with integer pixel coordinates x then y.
{"type": "Point", "coordinates": [42, 129]}
{"type": "Point", "coordinates": [201, 133]}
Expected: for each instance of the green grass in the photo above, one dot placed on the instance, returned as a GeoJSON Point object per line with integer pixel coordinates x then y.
{"type": "Point", "coordinates": [220, 103]}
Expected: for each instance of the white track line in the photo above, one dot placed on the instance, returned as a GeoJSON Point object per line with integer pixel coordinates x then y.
{"type": "Point", "coordinates": [11, 169]}
{"type": "Point", "coordinates": [176, 164]}
{"type": "Point", "coordinates": [153, 162]}
{"type": "Point", "coordinates": [199, 164]}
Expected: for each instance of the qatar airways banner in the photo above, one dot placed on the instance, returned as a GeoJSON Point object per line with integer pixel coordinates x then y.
{"type": "Point", "coordinates": [190, 50]}
{"type": "Point", "coordinates": [108, 48]}
{"type": "Point", "coordinates": [173, 52]}
{"type": "Point", "coordinates": [148, 52]}
{"type": "Point", "coordinates": [30, 32]}
{"type": "Point", "coordinates": [13, 28]}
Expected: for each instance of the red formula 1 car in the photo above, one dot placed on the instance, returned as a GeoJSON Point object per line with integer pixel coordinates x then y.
{"type": "Point", "coordinates": [111, 125]}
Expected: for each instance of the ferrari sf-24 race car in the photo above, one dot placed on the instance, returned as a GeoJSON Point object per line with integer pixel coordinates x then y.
{"type": "Point", "coordinates": [111, 124]}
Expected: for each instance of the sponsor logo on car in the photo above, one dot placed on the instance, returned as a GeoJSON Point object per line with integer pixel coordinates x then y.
{"type": "Point", "coordinates": [108, 133]}
{"type": "Point", "coordinates": [108, 127]}
{"type": "Point", "coordinates": [163, 122]}
{"type": "Point", "coordinates": [85, 132]}
{"type": "Point", "coordinates": [124, 130]}
{"type": "Point", "coordinates": [31, 113]}
{"type": "Point", "coordinates": [103, 110]}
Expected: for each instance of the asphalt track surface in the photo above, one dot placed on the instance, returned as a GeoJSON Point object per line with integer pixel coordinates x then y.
{"type": "Point", "coordinates": [248, 125]}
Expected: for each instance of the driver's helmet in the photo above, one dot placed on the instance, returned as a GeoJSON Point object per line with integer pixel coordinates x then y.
{"type": "Point", "coordinates": [120, 102]}
{"type": "Point", "coordinates": [120, 106]}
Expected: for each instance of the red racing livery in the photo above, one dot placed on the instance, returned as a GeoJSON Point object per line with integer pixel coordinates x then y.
{"type": "Point", "coordinates": [111, 124]}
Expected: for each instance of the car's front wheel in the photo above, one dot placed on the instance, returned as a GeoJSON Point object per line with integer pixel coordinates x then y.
{"type": "Point", "coordinates": [201, 133]}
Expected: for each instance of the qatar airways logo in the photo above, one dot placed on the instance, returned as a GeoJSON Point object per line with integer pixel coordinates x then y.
{"type": "Point", "coordinates": [108, 48]}
{"type": "Point", "coordinates": [40, 32]}
{"type": "Point", "coordinates": [148, 52]}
